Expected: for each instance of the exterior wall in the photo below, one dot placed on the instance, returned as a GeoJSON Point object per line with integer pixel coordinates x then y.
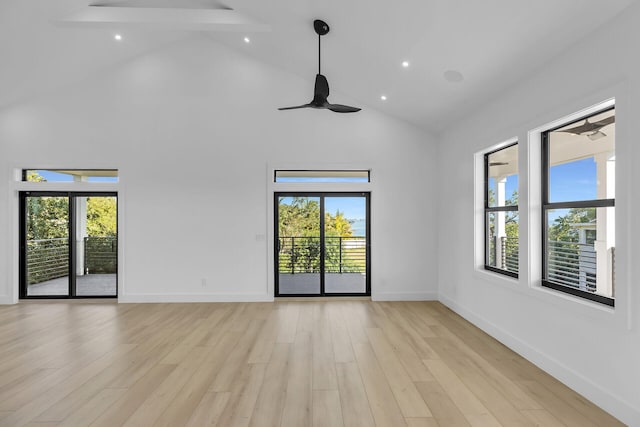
{"type": "Point", "coordinates": [193, 129]}
{"type": "Point", "coordinates": [592, 349]}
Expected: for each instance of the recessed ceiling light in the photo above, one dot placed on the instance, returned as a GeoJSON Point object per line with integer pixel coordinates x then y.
{"type": "Point", "coordinates": [405, 64]}
{"type": "Point", "coordinates": [383, 97]}
{"type": "Point", "coordinates": [247, 40]}
{"type": "Point", "coordinates": [117, 37]}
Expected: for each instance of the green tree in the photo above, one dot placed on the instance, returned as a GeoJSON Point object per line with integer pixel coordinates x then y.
{"type": "Point", "coordinates": [101, 216]}
{"type": "Point", "coordinates": [562, 230]}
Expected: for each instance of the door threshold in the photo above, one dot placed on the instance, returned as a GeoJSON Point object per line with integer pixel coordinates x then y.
{"type": "Point", "coordinates": [322, 298]}
{"type": "Point", "coordinates": [101, 300]}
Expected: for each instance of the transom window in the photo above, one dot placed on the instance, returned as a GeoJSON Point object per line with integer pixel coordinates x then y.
{"type": "Point", "coordinates": [70, 175]}
{"type": "Point", "coordinates": [322, 176]}
{"type": "Point", "coordinates": [578, 202]}
{"type": "Point", "coordinates": [501, 210]}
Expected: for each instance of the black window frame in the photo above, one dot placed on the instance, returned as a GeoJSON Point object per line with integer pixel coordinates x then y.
{"type": "Point", "coordinates": [547, 205]}
{"type": "Point", "coordinates": [492, 209]}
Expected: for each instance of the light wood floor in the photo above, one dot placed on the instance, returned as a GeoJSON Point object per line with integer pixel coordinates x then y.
{"type": "Point", "coordinates": [337, 363]}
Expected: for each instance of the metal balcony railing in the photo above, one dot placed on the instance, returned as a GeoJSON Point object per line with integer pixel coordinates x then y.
{"type": "Point", "coordinates": [572, 264]}
{"type": "Point", "coordinates": [49, 259]}
{"type": "Point", "coordinates": [510, 251]}
{"type": "Point", "coordinates": [302, 254]}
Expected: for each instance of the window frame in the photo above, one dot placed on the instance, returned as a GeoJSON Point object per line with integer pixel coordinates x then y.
{"type": "Point", "coordinates": [546, 206]}
{"type": "Point", "coordinates": [492, 209]}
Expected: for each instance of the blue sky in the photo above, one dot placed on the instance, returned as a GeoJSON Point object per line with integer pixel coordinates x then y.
{"type": "Point", "coordinates": [351, 207]}
{"type": "Point", "coordinates": [569, 181]}
{"type": "Point", "coordinates": [60, 177]}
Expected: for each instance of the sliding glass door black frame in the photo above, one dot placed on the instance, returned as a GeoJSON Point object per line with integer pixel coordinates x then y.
{"type": "Point", "coordinates": [322, 195]}
{"type": "Point", "coordinates": [71, 195]}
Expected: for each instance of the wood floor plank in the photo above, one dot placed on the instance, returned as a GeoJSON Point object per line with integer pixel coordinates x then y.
{"type": "Point", "coordinates": [384, 406]}
{"type": "Point", "coordinates": [271, 398]}
{"type": "Point", "coordinates": [353, 397]}
{"type": "Point", "coordinates": [421, 422]}
{"type": "Point", "coordinates": [444, 410]}
{"type": "Point", "coordinates": [284, 363]}
{"type": "Point", "coordinates": [324, 368]}
{"type": "Point", "coordinates": [327, 411]}
{"type": "Point", "coordinates": [131, 399]}
{"type": "Point", "coordinates": [92, 408]}
{"type": "Point", "coordinates": [342, 349]}
{"type": "Point", "coordinates": [151, 409]}
{"type": "Point", "coordinates": [185, 402]}
{"type": "Point", "coordinates": [299, 399]}
{"type": "Point", "coordinates": [542, 418]}
{"type": "Point", "coordinates": [243, 396]}
{"type": "Point", "coordinates": [408, 397]}
{"type": "Point", "coordinates": [209, 409]}
{"type": "Point", "coordinates": [469, 404]}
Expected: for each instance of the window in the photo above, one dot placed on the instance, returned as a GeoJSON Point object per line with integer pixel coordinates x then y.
{"type": "Point", "coordinates": [322, 176]}
{"type": "Point", "coordinates": [501, 210]}
{"type": "Point", "coordinates": [578, 213]}
{"type": "Point", "coordinates": [70, 175]}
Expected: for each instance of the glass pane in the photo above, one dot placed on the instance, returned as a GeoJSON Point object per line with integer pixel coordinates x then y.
{"type": "Point", "coordinates": [345, 221]}
{"type": "Point", "coordinates": [581, 249]}
{"type": "Point", "coordinates": [502, 244]}
{"type": "Point", "coordinates": [96, 246]}
{"type": "Point", "coordinates": [582, 159]}
{"type": "Point", "coordinates": [298, 245]}
{"type": "Point", "coordinates": [47, 246]}
{"type": "Point", "coordinates": [322, 176]}
{"type": "Point", "coordinates": [71, 175]}
{"type": "Point", "coordinates": [503, 177]}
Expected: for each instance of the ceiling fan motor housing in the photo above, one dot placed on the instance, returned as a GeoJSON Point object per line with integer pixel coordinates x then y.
{"type": "Point", "coordinates": [321, 27]}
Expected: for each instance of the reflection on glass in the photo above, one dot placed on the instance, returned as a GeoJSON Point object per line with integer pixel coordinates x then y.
{"type": "Point", "coordinates": [502, 177]}
{"type": "Point", "coordinates": [345, 245]}
{"type": "Point", "coordinates": [71, 175]}
{"type": "Point", "coordinates": [96, 246]}
{"type": "Point", "coordinates": [581, 249]}
{"type": "Point", "coordinates": [502, 243]}
{"type": "Point", "coordinates": [47, 246]}
{"type": "Point", "coordinates": [582, 159]}
{"type": "Point", "coordinates": [299, 245]}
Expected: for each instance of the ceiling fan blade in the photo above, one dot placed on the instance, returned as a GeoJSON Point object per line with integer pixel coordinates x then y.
{"type": "Point", "coordinates": [322, 87]}
{"type": "Point", "coordinates": [607, 121]}
{"type": "Point", "coordinates": [596, 135]}
{"type": "Point", "coordinates": [296, 107]}
{"type": "Point", "coordinates": [578, 130]}
{"type": "Point", "coordinates": [588, 126]}
{"type": "Point", "coordinates": [337, 108]}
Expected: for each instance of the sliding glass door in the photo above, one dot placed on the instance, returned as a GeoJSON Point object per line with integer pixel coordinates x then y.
{"type": "Point", "coordinates": [322, 244]}
{"type": "Point", "coordinates": [68, 245]}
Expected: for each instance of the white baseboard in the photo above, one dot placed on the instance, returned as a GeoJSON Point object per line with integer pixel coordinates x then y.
{"type": "Point", "coordinates": [151, 298]}
{"type": "Point", "coordinates": [6, 299]}
{"type": "Point", "coordinates": [601, 397]}
{"type": "Point", "coordinates": [406, 296]}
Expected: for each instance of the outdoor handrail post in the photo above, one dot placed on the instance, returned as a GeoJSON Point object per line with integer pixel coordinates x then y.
{"type": "Point", "coordinates": [292, 255]}
{"type": "Point", "coordinates": [340, 259]}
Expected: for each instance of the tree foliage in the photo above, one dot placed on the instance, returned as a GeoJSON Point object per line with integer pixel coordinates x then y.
{"type": "Point", "coordinates": [48, 217]}
{"type": "Point", "coordinates": [562, 228]}
{"type": "Point", "coordinates": [301, 218]}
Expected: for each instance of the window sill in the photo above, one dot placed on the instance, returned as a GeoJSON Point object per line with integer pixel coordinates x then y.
{"type": "Point", "coordinates": [496, 278]}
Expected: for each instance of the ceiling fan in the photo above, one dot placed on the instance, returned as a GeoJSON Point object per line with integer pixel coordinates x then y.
{"type": "Point", "coordinates": [591, 129]}
{"type": "Point", "coordinates": [321, 88]}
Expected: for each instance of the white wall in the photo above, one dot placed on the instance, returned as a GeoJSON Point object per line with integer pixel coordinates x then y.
{"type": "Point", "coordinates": [594, 350]}
{"type": "Point", "coordinates": [192, 129]}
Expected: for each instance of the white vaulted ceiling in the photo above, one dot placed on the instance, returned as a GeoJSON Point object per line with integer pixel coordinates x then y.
{"type": "Point", "coordinates": [493, 44]}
